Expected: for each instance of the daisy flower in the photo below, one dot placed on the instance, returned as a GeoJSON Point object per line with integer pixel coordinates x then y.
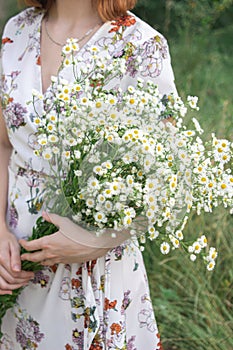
{"type": "Point", "coordinates": [165, 248]}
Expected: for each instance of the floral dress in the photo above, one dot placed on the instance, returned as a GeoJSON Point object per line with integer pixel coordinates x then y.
{"type": "Point", "coordinates": [103, 304]}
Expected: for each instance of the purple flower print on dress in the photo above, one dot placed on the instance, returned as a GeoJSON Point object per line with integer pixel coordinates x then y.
{"type": "Point", "coordinates": [33, 180]}
{"type": "Point", "coordinates": [116, 47]}
{"type": "Point", "coordinates": [41, 278]}
{"type": "Point", "coordinates": [6, 343]}
{"type": "Point", "coordinates": [28, 333]}
{"type": "Point", "coordinates": [125, 302]}
{"type": "Point", "coordinates": [119, 54]}
{"type": "Point", "coordinates": [32, 46]}
{"type": "Point", "coordinates": [145, 298]}
{"type": "Point", "coordinates": [8, 85]}
{"type": "Point", "coordinates": [65, 289]}
{"type": "Point", "coordinates": [146, 319]}
{"type": "Point", "coordinates": [96, 289]}
{"type": "Point", "coordinates": [119, 251]}
{"type": "Point", "coordinates": [14, 74]}
{"type": "Point", "coordinates": [152, 68]}
{"type": "Point", "coordinates": [77, 338]}
{"type": "Point", "coordinates": [153, 52]}
{"type": "Point", "coordinates": [132, 66]}
{"type": "Point", "coordinates": [33, 141]}
{"type": "Point", "coordinates": [130, 343]}
{"type": "Point", "coordinates": [14, 216]}
{"type": "Point", "coordinates": [15, 113]}
{"type": "Point", "coordinates": [28, 17]}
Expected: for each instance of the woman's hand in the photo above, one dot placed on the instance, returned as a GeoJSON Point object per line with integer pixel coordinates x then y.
{"type": "Point", "coordinates": [11, 275]}
{"type": "Point", "coordinates": [170, 120]}
{"type": "Point", "coordinates": [57, 248]}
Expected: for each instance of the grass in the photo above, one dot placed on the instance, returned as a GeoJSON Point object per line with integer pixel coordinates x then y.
{"type": "Point", "coordinates": [194, 308]}
{"type": "Point", "coordinates": [203, 67]}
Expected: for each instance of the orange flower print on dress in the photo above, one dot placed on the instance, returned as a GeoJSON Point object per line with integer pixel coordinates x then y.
{"type": "Point", "coordinates": [115, 328]}
{"type": "Point", "coordinates": [96, 347]}
{"type": "Point", "coordinates": [108, 305]}
{"type": "Point", "coordinates": [75, 283]}
{"type": "Point", "coordinates": [79, 271]}
{"type": "Point", "coordinates": [90, 266]}
{"type": "Point", "coordinates": [53, 268]}
{"type": "Point", "coordinates": [97, 343]}
{"type": "Point", "coordinates": [7, 41]}
{"type": "Point", "coordinates": [124, 21]}
{"type": "Point", "coordinates": [38, 61]}
{"type": "Point", "coordinates": [159, 345]}
{"type": "Point", "coordinates": [68, 347]}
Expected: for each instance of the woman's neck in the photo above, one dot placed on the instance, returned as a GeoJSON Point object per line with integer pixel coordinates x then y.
{"type": "Point", "coordinates": [72, 12]}
{"type": "Point", "coordinates": [72, 18]}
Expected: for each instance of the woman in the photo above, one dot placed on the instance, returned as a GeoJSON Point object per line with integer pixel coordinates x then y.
{"type": "Point", "coordinates": [86, 297]}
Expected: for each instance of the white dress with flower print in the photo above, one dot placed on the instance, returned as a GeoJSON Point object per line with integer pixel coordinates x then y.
{"type": "Point", "coordinates": [103, 304]}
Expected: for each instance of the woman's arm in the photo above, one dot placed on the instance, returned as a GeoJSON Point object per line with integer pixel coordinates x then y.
{"type": "Point", "coordinates": [70, 244]}
{"type": "Point", "coordinates": [11, 276]}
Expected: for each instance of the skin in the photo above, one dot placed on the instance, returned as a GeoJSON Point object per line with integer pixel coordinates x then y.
{"type": "Point", "coordinates": [65, 19]}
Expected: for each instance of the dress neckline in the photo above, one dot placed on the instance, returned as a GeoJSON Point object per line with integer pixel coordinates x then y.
{"type": "Point", "coordinates": [82, 49]}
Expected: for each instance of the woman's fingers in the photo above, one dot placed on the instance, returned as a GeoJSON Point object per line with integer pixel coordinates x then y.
{"type": "Point", "coordinates": [5, 256]}
{"type": "Point", "coordinates": [4, 292]}
{"type": "Point", "coordinates": [36, 257]}
{"type": "Point", "coordinates": [38, 249]}
{"type": "Point", "coordinates": [9, 283]}
{"type": "Point", "coordinates": [15, 256]}
{"type": "Point", "coordinates": [36, 244]}
{"type": "Point", "coordinates": [15, 278]}
{"type": "Point", "coordinates": [57, 248]}
{"type": "Point", "coordinates": [6, 288]}
{"type": "Point", "coordinates": [11, 275]}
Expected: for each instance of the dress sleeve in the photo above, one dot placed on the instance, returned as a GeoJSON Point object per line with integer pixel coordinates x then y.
{"type": "Point", "coordinates": [149, 59]}
{"type": "Point", "coordinates": [5, 40]}
{"type": "Point", "coordinates": [156, 64]}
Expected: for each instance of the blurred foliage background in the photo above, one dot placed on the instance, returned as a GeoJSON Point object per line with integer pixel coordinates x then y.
{"type": "Point", "coordinates": [194, 308]}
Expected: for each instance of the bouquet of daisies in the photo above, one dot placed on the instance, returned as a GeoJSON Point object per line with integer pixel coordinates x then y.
{"type": "Point", "coordinates": [118, 166]}
{"type": "Point", "coordinates": [115, 165]}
